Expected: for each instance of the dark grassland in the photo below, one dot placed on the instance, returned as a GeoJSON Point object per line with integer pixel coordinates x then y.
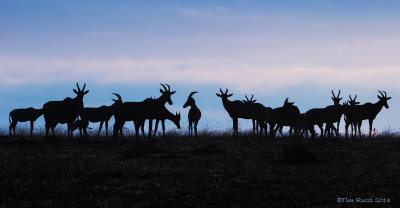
{"type": "Point", "coordinates": [214, 170]}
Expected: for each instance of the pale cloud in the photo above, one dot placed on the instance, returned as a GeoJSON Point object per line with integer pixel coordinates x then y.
{"type": "Point", "coordinates": [241, 76]}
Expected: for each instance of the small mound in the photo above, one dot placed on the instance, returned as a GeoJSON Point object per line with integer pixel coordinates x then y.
{"type": "Point", "coordinates": [143, 150]}
{"type": "Point", "coordinates": [299, 155]}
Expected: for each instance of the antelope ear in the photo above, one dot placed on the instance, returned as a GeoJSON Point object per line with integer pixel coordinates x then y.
{"type": "Point", "coordinates": [254, 100]}
{"type": "Point", "coordinates": [173, 92]}
{"type": "Point", "coordinates": [229, 95]}
{"type": "Point", "coordinates": [86, 92]}
{"type": "Point", "coordinates": [379, 97]}
{"type": "Point", "coordinates": [340, 99]}
{"type": "Point", "coordinates": [218, 94]}
{"type": "Point", "coordinates": [76, 92]}
{"type": "Point", "coordinates": [161, 91]}
{"type": "Point", "coordinates": [389, 98]}
{"type": "Point", "coordinates": [357, 102]}
{"type": "Point", "coordinates": [243, 101]}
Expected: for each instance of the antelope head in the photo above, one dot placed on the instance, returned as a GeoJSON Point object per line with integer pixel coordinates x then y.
{"type": "Point", "coordinates": [287, 103]}
{"type": "Point", "coordinates": [80, 93]}
{"type": "Point", "coordinates": [249, 100]}
{"type": "Point", "coordinates": [119, 101]}
{"type": "Point", "coordinates": [383, 99]}
{"type": "Point", "coordinates": [190, 101]}
{"type": "Point", "coordinates": [166, 93]}
{"type": "Point", "coordinates": [353, 101]}
{"type": "Point", "coordinates": [336, 99]}
{"type": "Point", "coordinates": [224, 95]}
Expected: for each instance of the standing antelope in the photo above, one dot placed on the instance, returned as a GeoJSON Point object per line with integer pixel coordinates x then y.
{"type": "Point", "coordinates": [101, 114]}
{"type": "Point", "coordinates": [370, 111]}
{"type": "Point", "coordinates": [138, 112]}
{"type": "Point", "coordinates": [65, 111]}
{"type": "Point", "coordinates": [237, 109]}
{"type": "Point", "coordinates": [22, 115]}
{"type": "Point", "coordinates": [351, 115]}
{"type": "Point", "coordinates": [334, 114]}
{"type": "Point", "coordinates": [287, 115]}
{"type": "Point", "coordinates": [255, 125]}
{"type": "Point", "coordinates": [194, 114]}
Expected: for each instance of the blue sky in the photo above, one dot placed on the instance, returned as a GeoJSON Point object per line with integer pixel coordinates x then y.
{"type": "Point", "coordinates": [273, 49]}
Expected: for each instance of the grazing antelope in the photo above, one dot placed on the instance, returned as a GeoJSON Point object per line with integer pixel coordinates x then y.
{"type": "Point", "coordinates": [162, 115]}
{"type": "Point", "coordinates": [22, 115]}
{"type": "Point", "coordinates": [194, 114]}
{"type": "Point", "coordinates": [237, 109]}
{"type": "Point", "coordinates": [138, 112]}
{"type": "Point", "coordinates": [101, 114]}
{"type": "Point", "coordinates": [370, 111]}
{"type": "Point", "coordinates": [287, 115]}
{"type": "Point", "coordinates": [81, 125]}
{"type": "Point", "coordinates": [65, 111]}
{"type": "Point", "coordinates": [351, 115]}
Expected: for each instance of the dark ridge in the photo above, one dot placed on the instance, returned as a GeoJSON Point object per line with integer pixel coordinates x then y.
{"type": "Point", "coordinates": [299, 155]}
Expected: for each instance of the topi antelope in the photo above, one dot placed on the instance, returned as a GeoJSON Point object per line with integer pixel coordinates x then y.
{"type": "Point", "coordinates": [287, 115]}
{"type": "Point", "coordinates": [162, 115]}
{"type": "Point", "coordinates": [194, 114]}
{"type": "Point", "coordinates": [138, 112]}
{"type": "Point", "coordinates": [369, 111]}
{"type": "Point", "coordinates": [237, 109]}
{"type": "Point", "coordinates": [333, 115]}
{"type": "Point", "coordinates": [351, 116]}
{"type": "Point", "coordinates": [101, 114]}
{"type": "Point", "coordinates": [255, 125]}
{"type": "Point", "coordinates": [22, 115]}
{"type": "Point", "coordinates": [65, 111]}
{"type": "Point", "coordinates": [81, 125]}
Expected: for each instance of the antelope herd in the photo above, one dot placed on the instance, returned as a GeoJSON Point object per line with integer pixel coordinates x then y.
{"type": "Point", "coordinates": [69, 110]}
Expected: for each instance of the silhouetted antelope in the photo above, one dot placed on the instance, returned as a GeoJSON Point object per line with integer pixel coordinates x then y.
{"type": "Point", "coordinates": [287, 115]}
{"type": "Point", "coordinates": [237, 109]}
{"type": "Point", "coordinates": [255, 124]}
{"type": "Point", "coordinates": [140, 111]}
{"type": "Point", "coordinates": [81, 125]}
{"type": "Point", "coordinates": [22, 115]}
{"type": "Point", "coordinates": [370, 111]}
{"type": "Point", "coordinates": [352, 117]}
{"type": "Point", "coordinates": [101, 114]}
{"type": "Point", "coordinates": [333, 115]}
{"type": "Point", "coordinates": [164, 114]}
{"type": "Point", "coordinates": [194, 114]}
{"type": "Point", "coordinates": [65, 111]}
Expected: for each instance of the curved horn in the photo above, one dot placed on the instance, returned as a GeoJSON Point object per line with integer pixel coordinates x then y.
{"type": "Point", "coordinates": [169, 88]}
{"type": "Point", "coordinates": [79, 89]}
{"type": "Point", "coordinates": [338, 94]}
{"type": "Point", "coordinates": [246, 98]}
{"type": "Point", "coordinates": [192, 93]}
{"type": "Point", "coordinates": [252, 96]}
{"type": "Point", "coordinates": [350, 98]}
{"type": "Point", "coordinates": [333, 94]}
{"type": "Point", "coordinates": [119, 96]}
{"type": "Point", "coordinates": [221, 91]}
{"type": "Point", "coordinates": [164, 87]}
{"type": "Point", "coordinates": [84, 85]}
{"type": "Point", "coordinates": [355, 97]}
{"type": "Point", "coordinates": [226, 91]}
{"type": "Point", "coordinates": [385, 93]}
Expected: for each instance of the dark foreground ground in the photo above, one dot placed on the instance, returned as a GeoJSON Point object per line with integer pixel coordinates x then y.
{"type": "Point", "coordinates": [210, 171]}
